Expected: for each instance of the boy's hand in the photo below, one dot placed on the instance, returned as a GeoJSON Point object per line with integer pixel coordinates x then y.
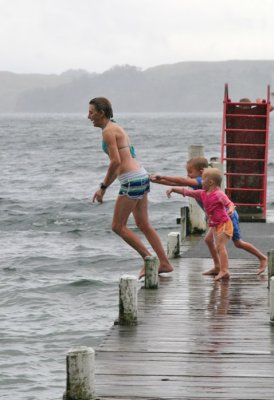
{"type": "Point", "coordinates": [168, 192]}
{"type": "Point", "coordinates": [155, 178]}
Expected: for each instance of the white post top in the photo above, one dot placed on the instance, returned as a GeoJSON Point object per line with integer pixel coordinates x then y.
{"type": "Point", "coordinates": [150, 258]}
{"type": "Point", "coordinates": [81, 349]}
{"type": "Point", "coordinates": [195, 150]}
{"type": "Point", "coordinates": [128, 277]}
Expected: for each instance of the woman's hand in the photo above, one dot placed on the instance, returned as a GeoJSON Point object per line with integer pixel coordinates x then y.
{"type": "Point", "coordinates": [98, 195]}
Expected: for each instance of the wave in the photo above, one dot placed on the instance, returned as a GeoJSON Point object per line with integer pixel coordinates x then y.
{"type": "Point", "coordinates": [88, 282]}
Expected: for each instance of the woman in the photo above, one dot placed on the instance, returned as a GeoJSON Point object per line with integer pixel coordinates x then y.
{"type": "Point", "coordinates": [134, 181]}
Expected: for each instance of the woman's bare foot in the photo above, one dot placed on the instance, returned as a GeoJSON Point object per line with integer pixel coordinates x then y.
{"type": "Point", "coordinates": [263, 265]}
{"type": "Point", "coordinates": [165, 268]}
{"type": "Point", "coordinates": [222, 275]}
{"type": "Point", "coordinates": [212, 271]}
{"type": "Point", "coordinates": [142, 273]}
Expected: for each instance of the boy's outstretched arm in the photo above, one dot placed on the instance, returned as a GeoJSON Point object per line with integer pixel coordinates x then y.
{"type": "Point", "coordinates": [173, 180]}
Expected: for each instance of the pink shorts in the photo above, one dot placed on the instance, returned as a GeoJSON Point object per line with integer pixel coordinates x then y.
{"type": "Point", "coordinates": [226, 227]}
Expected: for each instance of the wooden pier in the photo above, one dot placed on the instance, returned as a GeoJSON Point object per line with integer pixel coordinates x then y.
{"type": "Point", "coordinates": [195, 338]}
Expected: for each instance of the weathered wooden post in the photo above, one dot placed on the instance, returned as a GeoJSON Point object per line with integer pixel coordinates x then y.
{"type": "Point", "coordinates": [80, 374]}
{"type": "Point", "coordinates": [270, 255]}
{"type": "Point", "coordinates": [215, 162]}
{"type": "Point", "coordinates": [173, 245]}
{"type": "Point", "coordinates": [196, 150]}
{"type": "Point", "coordinates": [151, 272]}
{"type": "Point", "coordinates": [128, 301]}
{"type": "Point", "coordinates": [197, 221]}
{"type": "Point", "coordinates": [271, 300]}
{"type": "Point", "coordinates": [184, 217]}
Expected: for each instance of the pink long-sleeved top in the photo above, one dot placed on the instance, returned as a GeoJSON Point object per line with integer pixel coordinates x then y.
{"type": "Point", "coordinates": [214, 203]}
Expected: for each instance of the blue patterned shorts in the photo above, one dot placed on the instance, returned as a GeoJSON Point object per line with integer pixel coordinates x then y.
{"type": "Point", "coordinates": [236, 227]}
{"type": "Point", "coordinates": [134, 184]}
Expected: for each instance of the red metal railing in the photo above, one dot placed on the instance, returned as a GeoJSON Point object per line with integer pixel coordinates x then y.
{"type": "Point", "coordinates": [244, 150]}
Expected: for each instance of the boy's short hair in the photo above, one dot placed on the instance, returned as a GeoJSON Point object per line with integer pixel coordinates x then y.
{"type": "Point", "coordinates": [245, 100]}
{"type": "Point", "coordinates": [245, 106]}
{"type": "Point", "coordinates": [198, 163]}
{"type": "Point", "coordinates": [215, 174]}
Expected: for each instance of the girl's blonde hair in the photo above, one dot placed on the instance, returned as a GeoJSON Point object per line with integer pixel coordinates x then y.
{"type": "Point", "coordinates": [213, 173]}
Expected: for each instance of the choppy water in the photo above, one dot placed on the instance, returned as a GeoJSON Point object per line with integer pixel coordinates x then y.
{"type": "Point", "coordinates": [59, 261]}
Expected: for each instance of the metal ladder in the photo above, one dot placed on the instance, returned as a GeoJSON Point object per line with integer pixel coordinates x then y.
{"type": "Point", "coordinates": [244, 153]}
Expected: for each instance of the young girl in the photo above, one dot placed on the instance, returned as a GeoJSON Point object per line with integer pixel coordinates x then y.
{"type": "Point", "coordinates": [218, 208]}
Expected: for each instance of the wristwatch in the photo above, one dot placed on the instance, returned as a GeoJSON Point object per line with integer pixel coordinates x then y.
{"type": "Point", "coordinates": [103, 186]}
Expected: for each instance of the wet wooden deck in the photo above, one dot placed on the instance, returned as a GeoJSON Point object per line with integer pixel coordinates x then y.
{"type": "Point", "coordinates": [195, 339]}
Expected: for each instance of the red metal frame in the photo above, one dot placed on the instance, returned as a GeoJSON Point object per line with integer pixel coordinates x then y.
{"type": "Point", "coordinates": [244, 149]}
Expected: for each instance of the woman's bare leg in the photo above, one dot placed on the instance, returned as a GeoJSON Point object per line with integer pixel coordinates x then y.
{"type": "Point", "coordinates": [123, 208]}
{"type": "Point", "coordinates": [210, 242]}
{"type": "Point", "coordinates": [140, 214]}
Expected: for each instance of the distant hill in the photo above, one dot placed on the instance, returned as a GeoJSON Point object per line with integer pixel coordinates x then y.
{"type": "Point", "coordinates": [180, 87]}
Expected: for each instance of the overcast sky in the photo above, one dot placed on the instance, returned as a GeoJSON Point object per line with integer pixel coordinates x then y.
{"type": "Point", "coordinates": [52, 36]}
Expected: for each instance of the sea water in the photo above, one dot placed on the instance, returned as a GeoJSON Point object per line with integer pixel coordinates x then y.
{"type": "Point", "coordinates": [60, 263]}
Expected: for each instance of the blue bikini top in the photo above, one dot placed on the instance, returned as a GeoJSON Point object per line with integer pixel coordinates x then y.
{"type": "Point", "coordinates": [131, 148]}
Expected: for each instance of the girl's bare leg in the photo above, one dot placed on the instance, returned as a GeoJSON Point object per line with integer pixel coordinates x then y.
{"type": "Point", "coordinates": [221, 241]}
{"type": "Point", "coordinates": [140, 214]}
{"type": "Point", "coordinates": [210, 242]}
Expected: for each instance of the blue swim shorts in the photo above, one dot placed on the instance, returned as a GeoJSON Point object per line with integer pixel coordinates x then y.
{"type": "Point", "coordinates": [134, 184]}
{"type": "Point", "coordinates": [236, 227]}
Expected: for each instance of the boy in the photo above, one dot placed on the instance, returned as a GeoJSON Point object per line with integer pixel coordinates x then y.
{"type": "Point", "coordinates": [195, 167]}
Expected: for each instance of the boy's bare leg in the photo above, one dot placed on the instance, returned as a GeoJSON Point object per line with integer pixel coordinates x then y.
{"type": "Point", "coordinates": [263, 266]}
{"type": "Point", "coordinates": [222, 239]}
{"type": "Point", "coordinates": [210, 242]}
{"type": "Point", "coordinates": [240, 244]}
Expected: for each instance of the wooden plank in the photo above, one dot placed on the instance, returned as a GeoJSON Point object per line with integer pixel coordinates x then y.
{"type": "Point", "coordinates": [195, 339]}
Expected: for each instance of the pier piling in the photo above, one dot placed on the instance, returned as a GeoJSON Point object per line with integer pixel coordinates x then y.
{"type": "Point", "coordinates": [80, 374]}
{"type": "Point", "coordinates": [270, 256]}
{"type": "Point", "coordinates": [184, 222]}
{"type": "Point", "coordinates": [197, 221]}
{"type": "Point", "coordinates": [173, 245]}
{"type": "Point", "coordinates": [128, 302]}
{"type": "Point", "coordinates": [151, 268]}
{"type": "Point", "coordinates": [271, 300]}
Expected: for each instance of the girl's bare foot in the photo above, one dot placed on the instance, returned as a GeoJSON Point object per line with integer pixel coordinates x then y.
{"type": "Point", "coordinates": [222, 275]}
{"type": "Point", "coordinates": [263, 265]}
{"type": "Point", "coordinates": [212, 271]}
